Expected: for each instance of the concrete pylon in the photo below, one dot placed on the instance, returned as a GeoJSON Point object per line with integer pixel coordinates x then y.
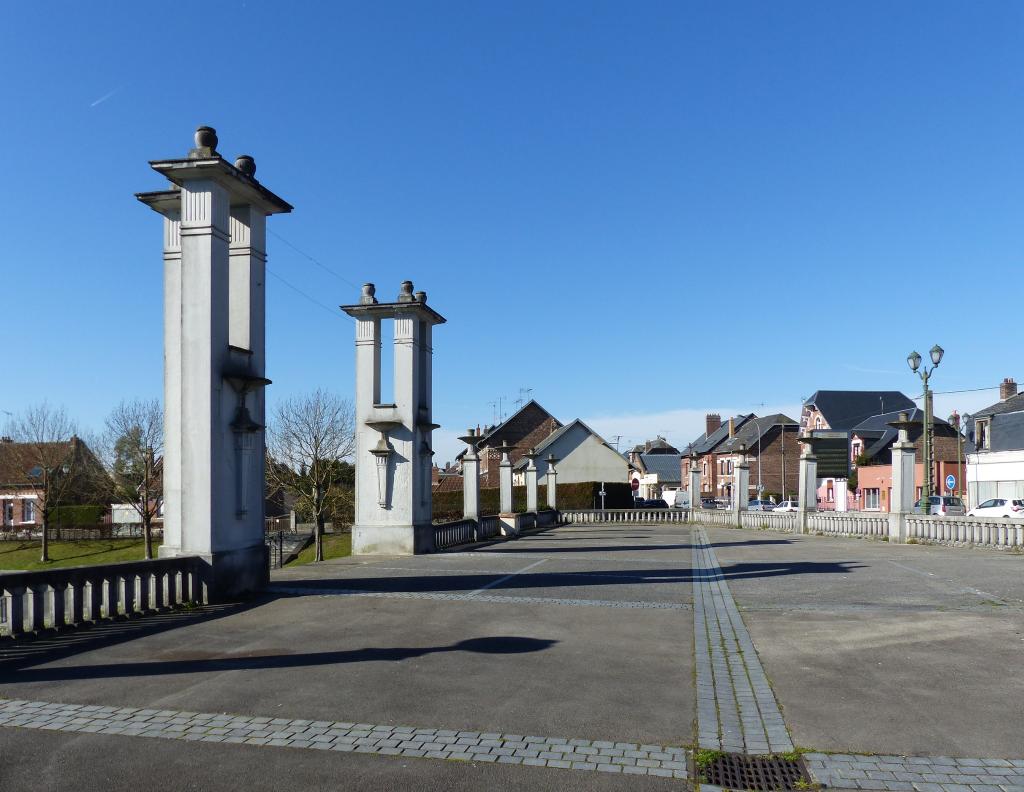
{"type": "Point", "coordinates": [505, 480]}
{"type": "Point", "coordinates": [741, 485]}
{"type": "Point", "coordinates": [807, 497]}
{"type": "Point", "coordinates": [530, 478]}
{"type": "Point", "coordinates": [393, 438]}
{"type": "Point", "coordinates": [214, 363]}
{"type": "Point", "coordinates": [903, 468]}
{"type": "Point", "coordinates": [470, 476]}
{"type": "Point", "coordinates": [694, 486]}
{"type": "Point", "coordinates": [552, 482]}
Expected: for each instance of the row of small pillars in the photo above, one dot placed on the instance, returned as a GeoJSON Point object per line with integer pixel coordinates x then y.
{"type": "Point", "coordinates": [471, 478]}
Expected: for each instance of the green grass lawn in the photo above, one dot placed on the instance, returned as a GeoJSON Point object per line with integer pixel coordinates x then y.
{"type": "Point", "coordinates": [335, 546]}
{"type": "Point", "coordinates": [88, 552]}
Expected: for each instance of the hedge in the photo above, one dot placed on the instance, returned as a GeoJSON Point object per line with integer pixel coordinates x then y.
{"type": "Point", "coordinates": [88, 515]}
{"type": "Point", "coordinates": [578, 495]}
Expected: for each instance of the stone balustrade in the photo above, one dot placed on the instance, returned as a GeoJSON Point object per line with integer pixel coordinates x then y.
{"type": "Point", "coordinates": [786, 522]}
{"type": "Point", "coordinates": [61, 598]}
{"type": "Point", "coordinates": [645, 516]}
{"type": "Point", "coordinates": [966, 530]}
{"type": "Point", "coordinates": [849, 523]}
{"type": "Point", "coordinates": [465, 531]}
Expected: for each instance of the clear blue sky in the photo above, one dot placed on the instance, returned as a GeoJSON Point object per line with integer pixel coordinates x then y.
{"type": "Point", "coordinates": [640, 210]}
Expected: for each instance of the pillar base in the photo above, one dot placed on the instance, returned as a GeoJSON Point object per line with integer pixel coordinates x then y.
{"type": "Point", "coordinates": [509, 525]}
{"type": "Point", "coordinates": [897, 528]}
{"type": "Point", "coordinates": [229, 575]}
{"type": "Point", "coordinates": [392, 539]}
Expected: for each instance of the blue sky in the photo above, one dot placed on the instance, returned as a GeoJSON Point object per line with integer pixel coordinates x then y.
{"type": "Point", "coordinates": [642, 211]}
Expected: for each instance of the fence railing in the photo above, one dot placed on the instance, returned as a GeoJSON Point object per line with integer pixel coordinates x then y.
{"type": "Point", "coordinates": [58, 598]}
{"type": "Point", "coordinates": [578, 516]}
{"type": "Point", "coordinates": [848, 523]}
{"type": "Point", "coordinates": [454, 533]}
{"type": "Point", "coordinates": [275, 541]}
{"type": "Point", "coordinates": [459, 532]}
{"type": "Point", "coordinates": [966, 530]}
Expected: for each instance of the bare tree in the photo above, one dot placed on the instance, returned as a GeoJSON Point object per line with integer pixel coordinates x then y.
{"type": "Point", "coordinates": [133, 442]}
{"type": "Point", "coordinates": [48, 454]}
{"type": "Point", "coordinates": [307, 439]}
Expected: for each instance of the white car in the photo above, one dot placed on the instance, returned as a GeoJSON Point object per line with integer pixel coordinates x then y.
{"type": "Point", "coordinates": [999, 507]}
{"type": "Point", "coordinates": [788, 506]}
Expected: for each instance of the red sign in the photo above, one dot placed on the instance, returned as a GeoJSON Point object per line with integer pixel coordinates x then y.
{"type": "Point", "coordinates": [634, 484]}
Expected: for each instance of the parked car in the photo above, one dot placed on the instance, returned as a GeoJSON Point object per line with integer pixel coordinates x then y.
{"type": "Point", "coordinates": [999, 507]}
{"type": "Point", "coordinates": [787, 506]}
{"type": "Point", "coordinates": [655, 503]}
{"type": "Point", "coordinates": [708, 503]}
{"type": "Point", "coordinates": [942, 506]}
{"type": "Point", "coordinates": [760, 505]}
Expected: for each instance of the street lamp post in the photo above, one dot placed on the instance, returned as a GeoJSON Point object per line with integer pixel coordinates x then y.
{"type": "Point", "coordinates": [925, 373]}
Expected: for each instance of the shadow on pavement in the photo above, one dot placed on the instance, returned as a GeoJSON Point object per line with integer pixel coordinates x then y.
{"type": "Point", "coordinates": [532, 580]}
{"type": "Point", "coordinates": [547, 548]}
{"type": "Point", "coordinates": [190, 663]}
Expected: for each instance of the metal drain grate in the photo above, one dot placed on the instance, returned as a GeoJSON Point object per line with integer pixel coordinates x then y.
{"type": "Point", "coordinates": [760, 773]}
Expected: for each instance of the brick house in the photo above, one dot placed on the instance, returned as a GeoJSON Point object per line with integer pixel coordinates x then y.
{"type": "Point", "coordinates": [21, 492]}
{"type": "Point", "coordinates": [871, 443]}
{"type": "Point", "coordinates": [995, 467]}
{"type": "Point", "coordinates": [715, 474]}
{"type": "Point", "coordinates": [772, 453]}
{"type": "Point", "coordinates": [656, 466]}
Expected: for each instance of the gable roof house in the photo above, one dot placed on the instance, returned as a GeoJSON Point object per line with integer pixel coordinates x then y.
{"type": "Point", "coordinates": [772, 452]}
{"type": "Point", "coordinates": [582, 454]}
{"type": "Point", "coordinates": [703, 451]}
{"type": "Point", "coordinates": [526, 428]}
{"type": "Point", "coordinates": [21, 480]}
{"type": "Point", "coordinates": [995, 467]}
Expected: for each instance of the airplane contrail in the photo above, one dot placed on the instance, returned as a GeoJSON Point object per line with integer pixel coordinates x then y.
{"type": "Point", "coordinates": [104, 98]}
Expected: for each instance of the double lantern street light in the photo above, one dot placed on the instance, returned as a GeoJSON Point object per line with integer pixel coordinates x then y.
{"type": "Point", "coordinates": [914, 361]}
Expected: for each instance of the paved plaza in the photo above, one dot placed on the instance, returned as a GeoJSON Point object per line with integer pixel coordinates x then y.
{"type": "Point", "coordinates": [584, 657]}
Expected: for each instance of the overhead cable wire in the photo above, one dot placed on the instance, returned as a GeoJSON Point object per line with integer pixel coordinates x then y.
{"type": "Point", "coordinates": [297, 290]}
{"type": "Point", "coordinates": [314, 259]}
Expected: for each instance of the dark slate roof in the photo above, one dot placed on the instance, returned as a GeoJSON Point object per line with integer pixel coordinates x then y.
{"type": "Point", "coordinates": [1007, 431]}
{"type": "Point", "coordinates": [706, 443]}
{"type": "Point", "coordinates": [845, 409]}
{"type": "Point", "coordinates": [665, 466]}
{"type": "Point", "coordinates": [754, 429]}
{"type": "Point", "coordinates": [1013, 404]}
{"type": "Point", "coordinates": [877, 429]}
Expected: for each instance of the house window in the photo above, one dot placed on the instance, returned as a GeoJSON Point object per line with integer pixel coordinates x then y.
{"type": "Point", "coordinates": [7, 513]}
{"type": "Point", "coordinates": [981, 435]}
{"type": "Point", "coordinates": [872, 499]}
{"type": "Point", "coordinates": [730, 466]}
{"type": "Point", "coordinates": [817, 422]}
{"type": "Point", "coordinates": [705, 469]}
{"type": "Point", "coordinates": [28, 511]}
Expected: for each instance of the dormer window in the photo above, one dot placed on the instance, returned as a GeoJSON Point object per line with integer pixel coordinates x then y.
{"type": "Point", "coordinates": [818, 423]}
{"type": "Point", "coordinates": [981, 435]}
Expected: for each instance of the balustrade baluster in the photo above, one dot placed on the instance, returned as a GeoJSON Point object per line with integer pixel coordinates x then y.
{"type": "Point", "coordinates": [77, 594]}
{"type": "Point", "coordinates": [38, 610]}
{"type": "Point", "coordinates": [59, 605]}
{"type": "Point", "coordinates": [16, 611]}
{"type": "Point", "coordinates": [129, 594]}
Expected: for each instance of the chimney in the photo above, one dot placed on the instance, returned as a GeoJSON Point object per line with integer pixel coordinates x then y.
{"type": "Point", "coordinates": [732, 427]}
{"type": "Point", "coordinates": [1007, 389]}
{"type": "Point", "coordinates": [711, 423]}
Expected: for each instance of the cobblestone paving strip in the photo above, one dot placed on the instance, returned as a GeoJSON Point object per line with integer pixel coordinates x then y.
{"type": "Point", "coordinates": [434, 595]}
{"type": "Point", "coordinates": [916, 773]}
{"type": "Point", "coordinates": [627, 758]}
{"type": "Point", "coordinates": [736, 708]}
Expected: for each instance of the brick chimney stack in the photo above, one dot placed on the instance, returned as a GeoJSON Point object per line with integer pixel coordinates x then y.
{"type": "Point", "coordinates": [1007, 389]}
{"type": "Point", "coordinates": [732, 427]}
{"type": "Point", "coordinates": [711, 423]}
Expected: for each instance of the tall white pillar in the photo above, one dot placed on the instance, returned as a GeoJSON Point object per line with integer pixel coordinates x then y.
{"type": "Point", "coordinates": [393, 440]}
{"type": "Point", "coordinates": [741, 485]}
{"type": "Point", "coordinates": [214, 253]}
{"type": "Point", "coordinates": [694, 486]}
{"type": "Point", "coordinates": [808, 489]}
{"type": "Point", "coordinates": [552, 477]}
{"type": "Point", "coordinates": [530, 476]}
{"type": "Point", "coordinates": [505, 481]}
{"type": "Point", "coordinates": [903, 469]}
{"type": "Point", "coordinates": [470, 477]}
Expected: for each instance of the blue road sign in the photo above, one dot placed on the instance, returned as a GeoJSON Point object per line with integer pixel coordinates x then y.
{"type": "Point", "coordinates": [951, 482]}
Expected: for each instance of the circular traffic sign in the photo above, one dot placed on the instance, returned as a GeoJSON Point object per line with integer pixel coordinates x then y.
{"type": "Point", "coordinates": [634, 484]}
{"type": "Point", "coordinates": [950, 482]}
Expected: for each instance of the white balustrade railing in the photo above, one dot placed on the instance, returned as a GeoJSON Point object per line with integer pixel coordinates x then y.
{"type": "Point", "coordinates": [454, 533]}
{"type": "Point", "coordinates": [644, 516]}
{"type": "Point", "coordinates": [769, 521]}
{"type": "Point", "coordinates": [61, 598]}
{"type": "Point", "coordinates": [966, 530]}
{"type": "Point", "coordinates": [849, 523]}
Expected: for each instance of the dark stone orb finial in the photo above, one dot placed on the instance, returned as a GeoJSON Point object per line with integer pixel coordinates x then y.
{"type": "Point", "coordinates": [421, 297]}
{"type": "Point", "coordinates": [246, 165]}
{"type": "Point", "coordinates": [405, 294]}
{"type": "Point", "coordinates": [206, 137]}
